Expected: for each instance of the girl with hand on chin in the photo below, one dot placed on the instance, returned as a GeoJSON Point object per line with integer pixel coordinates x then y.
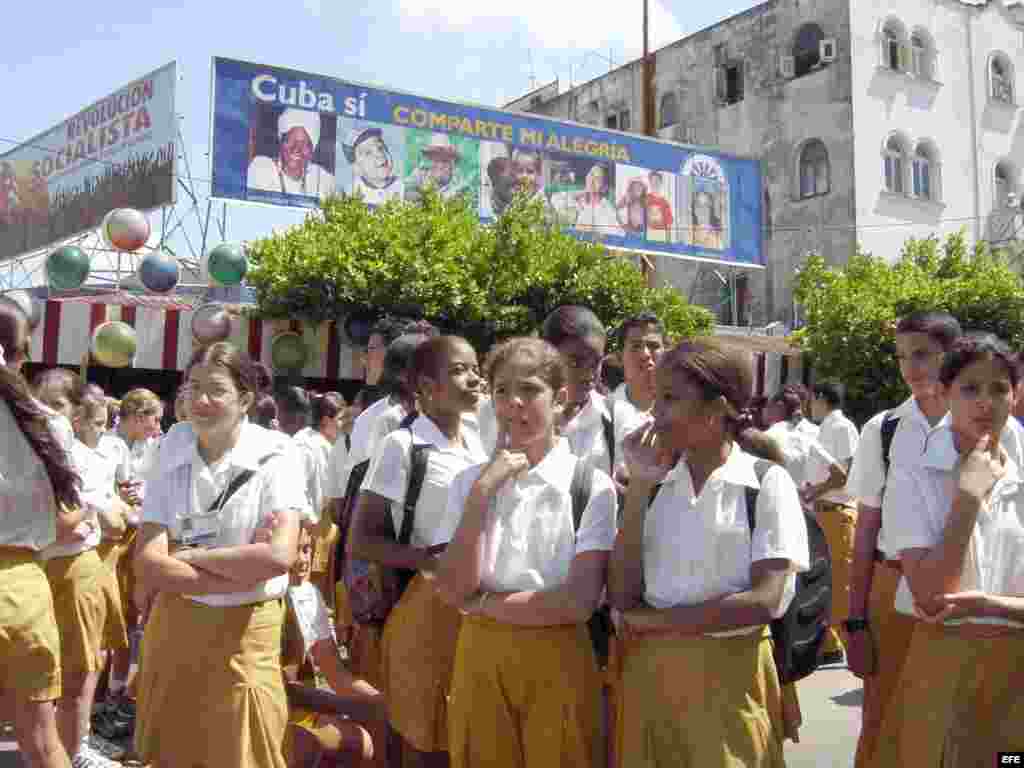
{"type": "Point", "coordinates": [962, 554]}
{"type": "Point", "coordinates": [210, 687]}
{"type": "Point", "coordinates": [526, 691]}
{"type": "Point", "coordinates": [697, 586]}
{"type": "Point", "coordinates": [418, 641]}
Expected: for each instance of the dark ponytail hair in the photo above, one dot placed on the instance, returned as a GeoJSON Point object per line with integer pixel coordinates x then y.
{"type": "Point", "coordinates": [326, 406]}
{"type": "Point", "coordinates": [35, 425]}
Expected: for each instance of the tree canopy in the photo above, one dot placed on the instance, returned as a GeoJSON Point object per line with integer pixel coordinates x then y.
{"type": "Point", "coordinates": [435, 259]}
{"type": "Point", "coordinates": [851, 312]}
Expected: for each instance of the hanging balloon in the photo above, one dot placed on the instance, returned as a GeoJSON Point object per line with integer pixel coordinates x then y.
{"type": "Point", "coordinates": [211, 323]}
{"type": "Point", "coordinates": [114, 344]}
{"type": "Point", "coordinates": [30, 306]}
{"type": "Point", "coordinates": [227, 264]}
{"type": "Point", "coordinates": [288, 351]}
{"type": "Point", "coordinates": [67, 268]}
{"type": "Point", "coordinates": [125, 229]}
{"type": "Point", "coordinates": [159, 272]}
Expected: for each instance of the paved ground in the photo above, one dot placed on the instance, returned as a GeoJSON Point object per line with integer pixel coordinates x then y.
{"type": "Point", "coordinates": [830, 700]}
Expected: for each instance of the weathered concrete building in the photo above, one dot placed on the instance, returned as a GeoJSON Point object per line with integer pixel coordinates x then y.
{"type": "Point", "coordinates": [875, 120]}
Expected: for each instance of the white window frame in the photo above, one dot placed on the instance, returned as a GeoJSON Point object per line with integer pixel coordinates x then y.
{"type": "Point", "coordinates": [926, 157]}
{"type": "Point", "coordinates": [898, 161]}
{"type": "Point", "coordinates": [811, 170]}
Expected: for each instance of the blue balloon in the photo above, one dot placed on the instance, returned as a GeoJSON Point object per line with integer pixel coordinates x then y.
{"type": "Point", "coordinates": [159, 272]}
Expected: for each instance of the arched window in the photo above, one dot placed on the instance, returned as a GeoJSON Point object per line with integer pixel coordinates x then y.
{"type": "Point", "coordinates": [1005, 182]}
{"type": "Point", "coordinates": [922, 55]}
{"type": "Point", "coordinates": [807, 49]}
{"type": "Point", "coordinates": [814, 169]}
{"type": "Point", "coordinates": [926, 172]}
{"type": "Point", "coordinates": [893, 46]}
{"type": "Point", "coordinates": [895, 165]}
{"type": "Point", "coordinates": [1000, 78]}
{"type": "Point", "coordinates": [669, 110]}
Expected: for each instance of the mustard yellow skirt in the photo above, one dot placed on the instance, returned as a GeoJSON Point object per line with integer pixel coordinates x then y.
{"type": "Point", "coordinates": [29, 638]}
{"type": "Point", "coordinates": [417, 657]}
{"type": "Point", "coordinates": [87, 603]}
{"type": "Point", "coordinates": [525, 697]}
{"type": "Point", "coordinates": [324, 536]}
{"type": "Point", "coordinates": [210, 691]}
{"type": "Point", "coordinates": [958, 701]}
{"type": "Point", "coordinates": [700, 702]}
{"type": "Point", "coordinates": [119, 557]}
{"type": "Point", "coordinates": [891, 632]}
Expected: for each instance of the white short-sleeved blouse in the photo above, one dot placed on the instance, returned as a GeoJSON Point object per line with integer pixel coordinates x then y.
{"type": "Point", "coordinates": [700, 548]}
{"type": "Point", "coordinates": [28, 510]}
{"type": "Point", "coordinates": [184, 488]}
{"type": "Point", "coordinates": [530, 539]}
{"type": "Point", "coordinates": [995, 555]}
{"type": "Point", "coordinates": [435, 522]}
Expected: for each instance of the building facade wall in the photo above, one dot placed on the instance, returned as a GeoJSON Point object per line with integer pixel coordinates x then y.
{"type": "Point", "coordinates": [774, 120]}
{"type": "Point", "coordinates": [945, 107]}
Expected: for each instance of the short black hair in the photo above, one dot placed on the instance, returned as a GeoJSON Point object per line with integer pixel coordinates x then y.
{"type": "Point", "coordinates": [292, 400]}
{"type": "Point", "coordinates": [571, 322]}
{"type": "Point", "coordinates": [636, 321]}
{"type": "Point", "coordinates": [940, 326]}
{"type": "Point", "coordinates": [829, 392]}
{"type": "Point", "coordinates": [975, 346]}
{"type": "Point", "coordinates": [390, 328]}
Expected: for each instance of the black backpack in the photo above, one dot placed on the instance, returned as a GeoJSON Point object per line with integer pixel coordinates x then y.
{"type": "Point", "coordinates": [799, 633]}
{"type": "Point", "coordinates": [348, 502]}
{"type": "Point", "coordinates": [600, 624]}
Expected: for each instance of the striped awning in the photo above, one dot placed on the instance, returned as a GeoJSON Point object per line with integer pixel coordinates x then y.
{"type": "Point", "coordinates": [164, 333]}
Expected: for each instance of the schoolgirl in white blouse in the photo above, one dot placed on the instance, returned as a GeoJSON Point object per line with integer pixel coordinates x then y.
{"type": "Point", "coordinates": [526, 690]}
{"type": "Point", "coordinates": [214, 632]}
{"type": "Point", "coordinates": [697, 585]}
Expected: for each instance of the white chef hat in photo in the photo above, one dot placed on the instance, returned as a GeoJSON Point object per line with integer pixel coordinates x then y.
{"type": "Point", "coordinates": [300, 118]}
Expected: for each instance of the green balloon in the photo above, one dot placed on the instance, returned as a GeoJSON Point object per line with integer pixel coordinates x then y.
{"type": "Point", "coordinates": [67, 268]}
{"type": "Point", "coordinates": [228, 264]}
{"type": "Point", "coordinates": [114, 344]}
{"type": "Point", "coordinates": [288, 351]}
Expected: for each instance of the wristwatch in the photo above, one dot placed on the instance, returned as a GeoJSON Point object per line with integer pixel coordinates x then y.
{"type": "Point", "coordinates": [855, 624]}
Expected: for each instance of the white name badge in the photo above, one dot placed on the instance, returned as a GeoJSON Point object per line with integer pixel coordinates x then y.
{"type": "Point", "coordinates": [200, 532]}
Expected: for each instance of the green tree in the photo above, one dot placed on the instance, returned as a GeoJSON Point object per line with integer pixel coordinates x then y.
{"type": "Point", "coordinates": [435, 259]}
{"type": "Point", "coordinates": [851, 312]}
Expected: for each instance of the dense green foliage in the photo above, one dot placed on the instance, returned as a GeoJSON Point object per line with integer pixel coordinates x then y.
{"type": "Point", "coordinates": [851, 312]}
{"type": "Point", "coordinates": [435, 259]}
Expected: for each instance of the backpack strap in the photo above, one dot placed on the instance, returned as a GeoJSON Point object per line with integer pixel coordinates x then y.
{"type": "Point", "coordinates": [888, 431]}
{"type": "Point", "coordinates": [237, 482]}
{"type": "Point", "coordinates": [579, 490]}
{"type": "Point", "coordinates": [608, 427]}
{"type": "Point", "coordinates": [761, 467]}
{"type": "Point", "coordinates": [418, 457]}
{"type": "Point", "coordinates": [410, 417]}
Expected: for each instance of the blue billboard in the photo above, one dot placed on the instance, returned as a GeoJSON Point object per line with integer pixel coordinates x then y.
{"type": "Point", "coordinates": [292, 138]}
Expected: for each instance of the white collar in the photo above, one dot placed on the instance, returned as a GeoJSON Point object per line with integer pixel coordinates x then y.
{"type": "Point", "coordinates": [911, 410]}
{"type": "Point", "coordinates": [594, 411]}
{"type": "Point", "coordinates": [557, 466]}
{"type": "Point", "coordinates": [254, 444]}
{"type": "Point", "coordinates": [737, 470]}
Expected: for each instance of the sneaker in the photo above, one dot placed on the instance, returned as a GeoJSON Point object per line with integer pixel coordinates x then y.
{"type": "Point", "coordinates": [833, 657]}
{"type": "Point", "coordinates": [87, 757]}
{"type": "Point", "coordinates": [107, 748]}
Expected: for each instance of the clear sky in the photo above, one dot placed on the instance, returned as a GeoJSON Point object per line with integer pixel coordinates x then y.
{"type": "Point", "coordinates": [58, 57]}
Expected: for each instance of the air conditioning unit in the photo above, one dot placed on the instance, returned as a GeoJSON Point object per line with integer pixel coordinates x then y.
{"type": "Point", "coordinates": [827, 50]}
{"type": "Point", "coordinates": [787, 67]}
{"type": "Point", "coordinates": [1012, 200]}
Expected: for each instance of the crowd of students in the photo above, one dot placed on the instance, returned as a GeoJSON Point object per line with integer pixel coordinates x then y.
{"type": "Point", "coordinates": [499, 563]}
